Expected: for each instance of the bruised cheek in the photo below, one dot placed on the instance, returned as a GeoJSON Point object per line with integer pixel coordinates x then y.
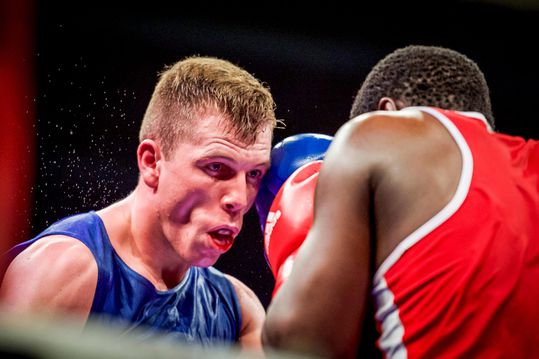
{"type": "Point", "coordinates": [181, 212]}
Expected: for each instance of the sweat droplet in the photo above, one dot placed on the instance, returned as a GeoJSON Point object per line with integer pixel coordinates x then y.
{"type": "Point", "coordinates": [82, 132]}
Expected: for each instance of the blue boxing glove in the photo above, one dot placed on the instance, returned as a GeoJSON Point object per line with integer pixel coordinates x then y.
{"type": "Point", "coordinates": [286, 157]}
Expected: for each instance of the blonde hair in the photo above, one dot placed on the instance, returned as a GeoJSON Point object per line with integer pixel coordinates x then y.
{"type": "Point", "coordinates": [198, 85]}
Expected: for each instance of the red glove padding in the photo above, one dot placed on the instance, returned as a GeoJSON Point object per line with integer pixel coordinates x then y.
{"type": "Point", "coordinates": [284, 271]}
{"type": "Point", "coordinates": [289, 220]}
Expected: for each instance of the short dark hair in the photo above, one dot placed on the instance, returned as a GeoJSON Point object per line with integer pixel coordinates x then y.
{"type": "Point", "coordinates": [426, 76]}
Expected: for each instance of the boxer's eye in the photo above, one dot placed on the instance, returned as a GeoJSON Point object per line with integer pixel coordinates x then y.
{"type": "Point", "coordinates": [219, 170]}
{"type": "Point", "coordinates": [214, 167]}
{"type": "Point", "coordinates": [255, 174]}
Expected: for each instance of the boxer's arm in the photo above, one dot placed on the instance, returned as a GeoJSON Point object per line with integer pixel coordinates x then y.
{"type": "Point", "coordinates": [55, 275]}
{"type": "Point", "coordinates": [320, 308]}
{"type": "Point", "coordinates": [253, 315]}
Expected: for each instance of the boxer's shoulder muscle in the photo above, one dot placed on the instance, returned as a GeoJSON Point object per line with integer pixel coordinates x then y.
{"type": "Point", "coordinates": [55, 274]}
{"type": "Point", "coordinates": [379, 136]}
{"type": "Point", "coordinates": [395, 140]}
{"type": "Point", "coordinates": [253, 315]}
{"type": "Point", "coordinates": [413, 167]}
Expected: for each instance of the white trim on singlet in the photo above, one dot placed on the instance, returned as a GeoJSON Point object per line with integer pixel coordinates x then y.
{"type": "Point", "coordinates": [451, 207]}
{"type": "Point", "coordinates": [387, 313]}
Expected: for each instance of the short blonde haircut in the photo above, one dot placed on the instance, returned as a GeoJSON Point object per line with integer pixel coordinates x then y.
{"type": "Point", "coordinates": [198, 85]}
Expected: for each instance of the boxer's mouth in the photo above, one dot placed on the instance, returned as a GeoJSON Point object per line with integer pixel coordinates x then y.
{"type": "Point", "coordinates": [224, 236]}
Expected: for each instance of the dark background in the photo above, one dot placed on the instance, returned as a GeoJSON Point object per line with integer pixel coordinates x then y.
{"type": "Point", "coordinates": [96, 66]}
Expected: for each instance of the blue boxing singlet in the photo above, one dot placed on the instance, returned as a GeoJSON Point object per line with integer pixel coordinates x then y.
{"type": "Point", "coordinates": [202, 309]}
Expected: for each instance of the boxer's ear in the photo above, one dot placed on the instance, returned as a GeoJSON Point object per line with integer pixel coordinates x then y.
{"type": "Point", "coordinates": [387, 104]}
{"type": "Point", "coordinates": [148, 157]}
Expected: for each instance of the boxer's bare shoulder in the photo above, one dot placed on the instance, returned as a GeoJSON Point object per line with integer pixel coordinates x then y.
{"type": "Point", "coordinates": [252, 313]}
{"type": "Point", "coordinates": [58, 271]}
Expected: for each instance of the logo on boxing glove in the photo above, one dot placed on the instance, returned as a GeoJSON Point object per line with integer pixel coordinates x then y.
{"type": "Point", "coordinates": [273, 217]}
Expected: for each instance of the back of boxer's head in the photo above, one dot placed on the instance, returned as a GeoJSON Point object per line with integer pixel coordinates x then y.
{"type": "Point", "coordinates": [196, 86]}
{"type": "Point", "coordinates": [426, 76]}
